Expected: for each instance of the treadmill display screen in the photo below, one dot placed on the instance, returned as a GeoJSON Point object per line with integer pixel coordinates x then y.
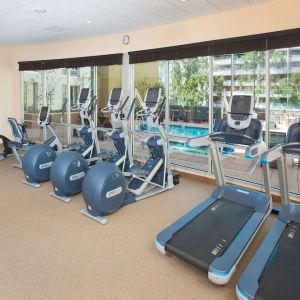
{"type": "Point", "coordinates": [84, 95]}
{"type": "Point", "coordinates": [115, 96]}
{"type": "Point", "coordinates": [240, 105]}
{"type": "Point", "coordinates": [44, 113]}
{"type": "Point", "coordinates": [152, 96]}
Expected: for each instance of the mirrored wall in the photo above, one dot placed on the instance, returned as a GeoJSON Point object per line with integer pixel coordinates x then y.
{"type": "Point", "coordinates": [192, 109]}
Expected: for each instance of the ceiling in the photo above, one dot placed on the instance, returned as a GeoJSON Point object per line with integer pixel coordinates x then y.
{"type": "Point", "coordinates": [69, 19]}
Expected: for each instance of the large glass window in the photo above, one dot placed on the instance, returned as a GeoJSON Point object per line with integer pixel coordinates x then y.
{"type": "Point", "coordinates": [32, 101]}
{"type": "Point", "coordinates": [284, 105]}
{"type": "Point", "coordinates": [239, 74]}
{"type": "Point", "coordinates": [108, 77]}
{"type": "Point", "coordinates": [56, 94]}
{"type": "Point", "coordinates": [189, 110]}
{"type": "Point", "coordinates": [188, 100]}
{"type": "Point", "coordinates": [146, 75]}
{"type": "Point", "coordinates": [79, 78]}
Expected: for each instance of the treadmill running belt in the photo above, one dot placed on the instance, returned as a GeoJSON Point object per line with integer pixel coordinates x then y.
{"type": "Point", "coordinates": [280, 279]}
{"type": "Point", "coordinates": [208, 235]}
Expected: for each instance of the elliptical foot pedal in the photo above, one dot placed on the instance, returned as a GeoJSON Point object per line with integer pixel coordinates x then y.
{"type": "Point", "coordinates": [35, 185]}
{"type": "Point", "coordinates": [98, 219]}
{"type": "Point", "coordinates": [61, 198]}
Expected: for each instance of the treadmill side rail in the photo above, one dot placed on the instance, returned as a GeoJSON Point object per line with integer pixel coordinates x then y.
{"type": "Point", "coordinates": [223, 267]}
{"type": "Point", "coordinates": [248, 285]}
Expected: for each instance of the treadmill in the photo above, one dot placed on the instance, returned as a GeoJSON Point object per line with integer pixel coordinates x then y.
{"type": "Point", "coordinates": [273, 273]}
{"type": "Point", "coordinates": [215, 234]}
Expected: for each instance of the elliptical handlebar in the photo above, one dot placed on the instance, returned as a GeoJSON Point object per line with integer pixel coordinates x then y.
{"type": "Point", "coordinates": [123, 104]}
{"type": "Point", "coordinates": [232, 138]}
{"type": "Point", "coordinates": [130, 109]}
{"type": "Point", "coordinates": [160, 109]}
{"type": "Point", "coordinates": [91, 107]}
{"type": "Point", "coordinates": [63, 110]}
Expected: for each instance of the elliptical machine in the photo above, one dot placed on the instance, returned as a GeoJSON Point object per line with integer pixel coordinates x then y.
{"type": "Point", "coordinates": [21, 141]}
{"type": "Point", "coordinates": [38, 159]}
{"type": "Point", "coordinates": [68, 170]}
{"type": "Point", "coordinates": [104, 186]}
{"type": "Point", "coordinates": [119, 135]}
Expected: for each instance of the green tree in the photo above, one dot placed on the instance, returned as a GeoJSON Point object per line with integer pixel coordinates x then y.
{"type": "Point", "coordinates": [254, 65]}
{"type": "Point", "coordinates": [189, 82]}
{"type": "Point", "coordinates": [295, 90]}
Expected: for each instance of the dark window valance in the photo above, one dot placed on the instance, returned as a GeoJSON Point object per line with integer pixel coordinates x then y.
{"type": "Point", "coordinates": [77, 62]}
{"type": "Point", "coordinates": [257, 42]}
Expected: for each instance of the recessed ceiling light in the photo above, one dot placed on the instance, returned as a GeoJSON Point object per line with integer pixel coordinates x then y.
{"type": "Point", "coordinates": [182, 0]}
{"type": "Point", "coordinates": [89, 22]}
{"type": "Point", "coordinates": [40, 10]}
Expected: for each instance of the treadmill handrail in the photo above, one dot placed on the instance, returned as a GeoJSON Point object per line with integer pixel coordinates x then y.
{"type": "Point", "coordinates": [221, 137]}
{"type": "Point", "coordinates": [272, 154]}
{"type": "Point", "coordinates": [279, 150]}
{"type": "Point", "coordinates": [291, 148]}
{"type": "Point", "coordinates": [257, 147]}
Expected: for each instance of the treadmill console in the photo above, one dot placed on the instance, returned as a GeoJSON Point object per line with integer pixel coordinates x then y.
{"type": "Point", "coordinates": [240, 111]}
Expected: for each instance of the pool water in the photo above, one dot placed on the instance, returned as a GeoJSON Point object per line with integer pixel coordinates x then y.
{"type": "Point", "coordinates": [180, 147]}
{"type": "Point", "coordinates": [187, 132]}
{"type": "Point", "coordinates": [180, 130]}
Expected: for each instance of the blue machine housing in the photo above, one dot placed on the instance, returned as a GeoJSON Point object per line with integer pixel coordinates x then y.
{"type": "Point", "coordinates": [67, 174]}
{"type": "Point", "coordinates": [37, 162]}
{"type": "Point", "coordinates": [103, 195]}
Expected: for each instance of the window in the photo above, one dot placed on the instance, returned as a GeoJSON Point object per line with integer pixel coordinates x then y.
{"type": "Point", "coordinates": [56, 92]}
{"type": "Point", "coordinates": [284, 105]}
{"type": "Point", "coordinates": [32, 101]}
{"type": "Point", "coordinates": [244, 75]}
{"type": "Point", "coordinates": [146, 75]}
{"type": "Point", "coordinates": [108, 77]}
{"type": "Point", "coordinates": [189, 111]}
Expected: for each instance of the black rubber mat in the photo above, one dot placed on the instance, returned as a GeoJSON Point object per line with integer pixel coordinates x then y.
{"type": "Point", "coordinates": [280, 279]}
{"type": "Point", "coordinates": [210, 233]}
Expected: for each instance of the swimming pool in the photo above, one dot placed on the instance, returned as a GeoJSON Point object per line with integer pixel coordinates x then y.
{"type": "Point", "coordinates": [177, 131]}
{"type": "Point", "coordinates": [187, 132]}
